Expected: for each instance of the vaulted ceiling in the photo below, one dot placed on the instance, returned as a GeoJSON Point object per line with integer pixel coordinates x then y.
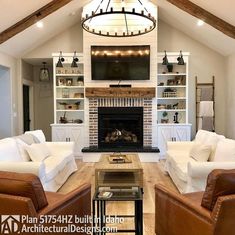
{"type": "Point", "coordinates": [65, 17]}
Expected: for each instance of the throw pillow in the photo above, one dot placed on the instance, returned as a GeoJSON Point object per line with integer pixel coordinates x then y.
{"type": "Point", "coordinates": [38, 136]}
{"type": "Point", "coordinates": [26, 138]}
{"type": "Point", "coordinates": [38, 152]}
{"type": "Point", "coordinates": [219, 183]}
{"type": "Point", "coordinates": [22, 149]}
{"type": "Point", "coordinates": [9, 151]}
{"type": "Point", "coordinates": [200, 152]}
{"type": "Point", "coordinates": [225, 151]}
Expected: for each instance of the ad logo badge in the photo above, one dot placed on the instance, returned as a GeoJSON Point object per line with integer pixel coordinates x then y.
{"type": "Point", "coordinates": [10, 224]}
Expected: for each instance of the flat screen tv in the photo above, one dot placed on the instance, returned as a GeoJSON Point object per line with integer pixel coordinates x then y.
{"type": "Point", "coordinates": [120, 62]}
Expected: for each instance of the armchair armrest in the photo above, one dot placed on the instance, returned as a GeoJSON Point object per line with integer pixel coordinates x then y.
{"type": "Point", "coordinates": [77, 202]}
{"type": "Point", "coordinates": [56, 147]}
{"type": "Point", "coordinates": [37, 168]}
{"type": "Point", "coordinates": [202, 169]}
{"type": "Point", "coordinates": [180, 145]}
{"type": "Point", "coordinates": [176, 214]}
{"type": "Point", "coordinates": [198, 172]}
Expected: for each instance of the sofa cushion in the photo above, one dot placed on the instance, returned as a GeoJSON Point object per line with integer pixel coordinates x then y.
{"type": "Point", "coordinates": [200, 152]}
{"type": "Point", "coordinates": [225, 151]}
{"type": "Point", "coordinates": [55, 164]}
{"type": "Point", "coordinates": [25, 185]}
{"type": "Point", "coordinates": [209, 138]}
{"type": "Point", "coordinates": [219, 183]}
{"type": "Point", "coordinates": [9, 151]}
{"type": "Point", "coordinates": [38, 152]}
{"type": "Point", "coordinates": [26, 138]}
{"type": "Point", "coordinates": [22, 150]}
{"type": "Point", "coordinates": [178, 160]}
{"type": "Point", "coordinates": [38, 136]}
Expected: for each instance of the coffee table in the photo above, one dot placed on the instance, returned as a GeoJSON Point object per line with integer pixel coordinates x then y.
{"type": "Point", "coordinates": [119, 175]}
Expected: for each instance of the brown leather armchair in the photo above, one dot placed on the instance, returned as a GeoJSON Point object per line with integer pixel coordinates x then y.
{"type": "Point", "coordinates": [201, 213]}
{"type": "Point", "coordinates": [23, 194]}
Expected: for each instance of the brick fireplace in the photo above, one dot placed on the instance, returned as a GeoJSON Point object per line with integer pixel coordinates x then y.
{"type": "Point", "coordinates": [120, 127]}
{"type": "Point", "coordinates": [144, 103]}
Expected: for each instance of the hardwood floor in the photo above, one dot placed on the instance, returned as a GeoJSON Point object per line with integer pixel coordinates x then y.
{"type": "Point", "coordinates": [153, 174]}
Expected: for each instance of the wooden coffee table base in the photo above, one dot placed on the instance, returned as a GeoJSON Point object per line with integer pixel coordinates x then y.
{"type": "Point", "coordinates": [120, 174]}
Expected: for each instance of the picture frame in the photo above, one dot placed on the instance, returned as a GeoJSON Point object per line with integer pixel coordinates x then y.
{"type": "Point", "coordinates": [69, 82]}
{"type": "Point", "coordinates": [61, 82]}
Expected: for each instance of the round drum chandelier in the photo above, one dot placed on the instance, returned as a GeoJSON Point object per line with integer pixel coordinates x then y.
{"type": "Point", "coordinates": [119, 18]}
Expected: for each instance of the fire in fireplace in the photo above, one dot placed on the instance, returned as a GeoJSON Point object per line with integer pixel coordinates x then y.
{"type": "Point", "coordinates": [120, 127]}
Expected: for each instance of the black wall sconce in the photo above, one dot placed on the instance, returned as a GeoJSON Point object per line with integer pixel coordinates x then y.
{"type": "Point", "coordinates": [180, 59]}
{"type": "Point", "coordinates": [60, 60]}
{"type": "Point", "coordinates": [75, 60]}
{"type": "Point", "coordinates": [165, 60]}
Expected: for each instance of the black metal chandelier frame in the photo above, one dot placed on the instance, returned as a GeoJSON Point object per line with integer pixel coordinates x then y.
{"type": "Point", "coordinates": [99, 12]}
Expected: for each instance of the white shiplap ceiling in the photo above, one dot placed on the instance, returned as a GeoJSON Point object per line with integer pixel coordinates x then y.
{"type": "Point", "coordinates": [15, 10]}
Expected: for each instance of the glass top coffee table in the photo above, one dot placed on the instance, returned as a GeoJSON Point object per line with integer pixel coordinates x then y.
{"type": "Point", "coordinates": [100, 217]}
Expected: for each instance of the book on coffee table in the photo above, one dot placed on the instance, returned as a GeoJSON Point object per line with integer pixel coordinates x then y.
{"type": "Point", "coordinates": [105, 194]}
{"type": "Point", "coordinates": [119, 158]}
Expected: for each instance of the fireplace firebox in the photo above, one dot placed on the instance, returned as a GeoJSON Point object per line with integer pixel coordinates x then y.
{"type": "Point", "coordinates": [120, 127]}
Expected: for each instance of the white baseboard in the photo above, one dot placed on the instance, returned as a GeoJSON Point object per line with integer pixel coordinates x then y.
{"type": "Point", "coordinates": [144, 157]}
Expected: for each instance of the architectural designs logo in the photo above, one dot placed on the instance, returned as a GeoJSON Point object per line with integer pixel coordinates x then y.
{"type": "Point", "coordinates": [10, 224]}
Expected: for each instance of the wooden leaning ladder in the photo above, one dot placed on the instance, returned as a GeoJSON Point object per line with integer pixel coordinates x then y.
{"type": "Point", "coordinates": [199, 86]}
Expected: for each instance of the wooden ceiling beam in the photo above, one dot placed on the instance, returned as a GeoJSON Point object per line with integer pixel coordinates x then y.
{"type": "Point", "coordinates": [32, 19]}
{"type": "Point", "coordinates": [206, 16]}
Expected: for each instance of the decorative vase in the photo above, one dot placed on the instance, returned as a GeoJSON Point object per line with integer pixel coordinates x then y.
{"type": "Point", "coordinates": [170, 68]}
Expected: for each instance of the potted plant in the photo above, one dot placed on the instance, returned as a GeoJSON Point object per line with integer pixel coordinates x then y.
{"type": "Point", "coordinates": [164, 117]}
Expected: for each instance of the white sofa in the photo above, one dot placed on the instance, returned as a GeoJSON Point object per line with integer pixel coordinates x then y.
{"type": "Point", "coordinates": [188, 174]}
{"type": "Point", "coordinates": [53, 171]}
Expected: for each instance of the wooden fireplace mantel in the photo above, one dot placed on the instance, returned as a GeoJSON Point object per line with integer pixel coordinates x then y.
{"type": "Point", "coordinates": [123, 92]}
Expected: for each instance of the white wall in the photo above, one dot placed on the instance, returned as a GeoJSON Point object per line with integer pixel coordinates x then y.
{"type": "Point", "coordinates": [11, 63]}
{"type": "Point", "coordinates": [69, 41]}
{"type": "Point", "coordinates": [203, 63]}
{"type": "Point", "coordinates": [5, 104]}
{"type": "Point", "coordinates": [27, 71]}
{"type": "Point", "coordinates": [43, 103]}
{"type": "Point", "coordinates": [230, 97]}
